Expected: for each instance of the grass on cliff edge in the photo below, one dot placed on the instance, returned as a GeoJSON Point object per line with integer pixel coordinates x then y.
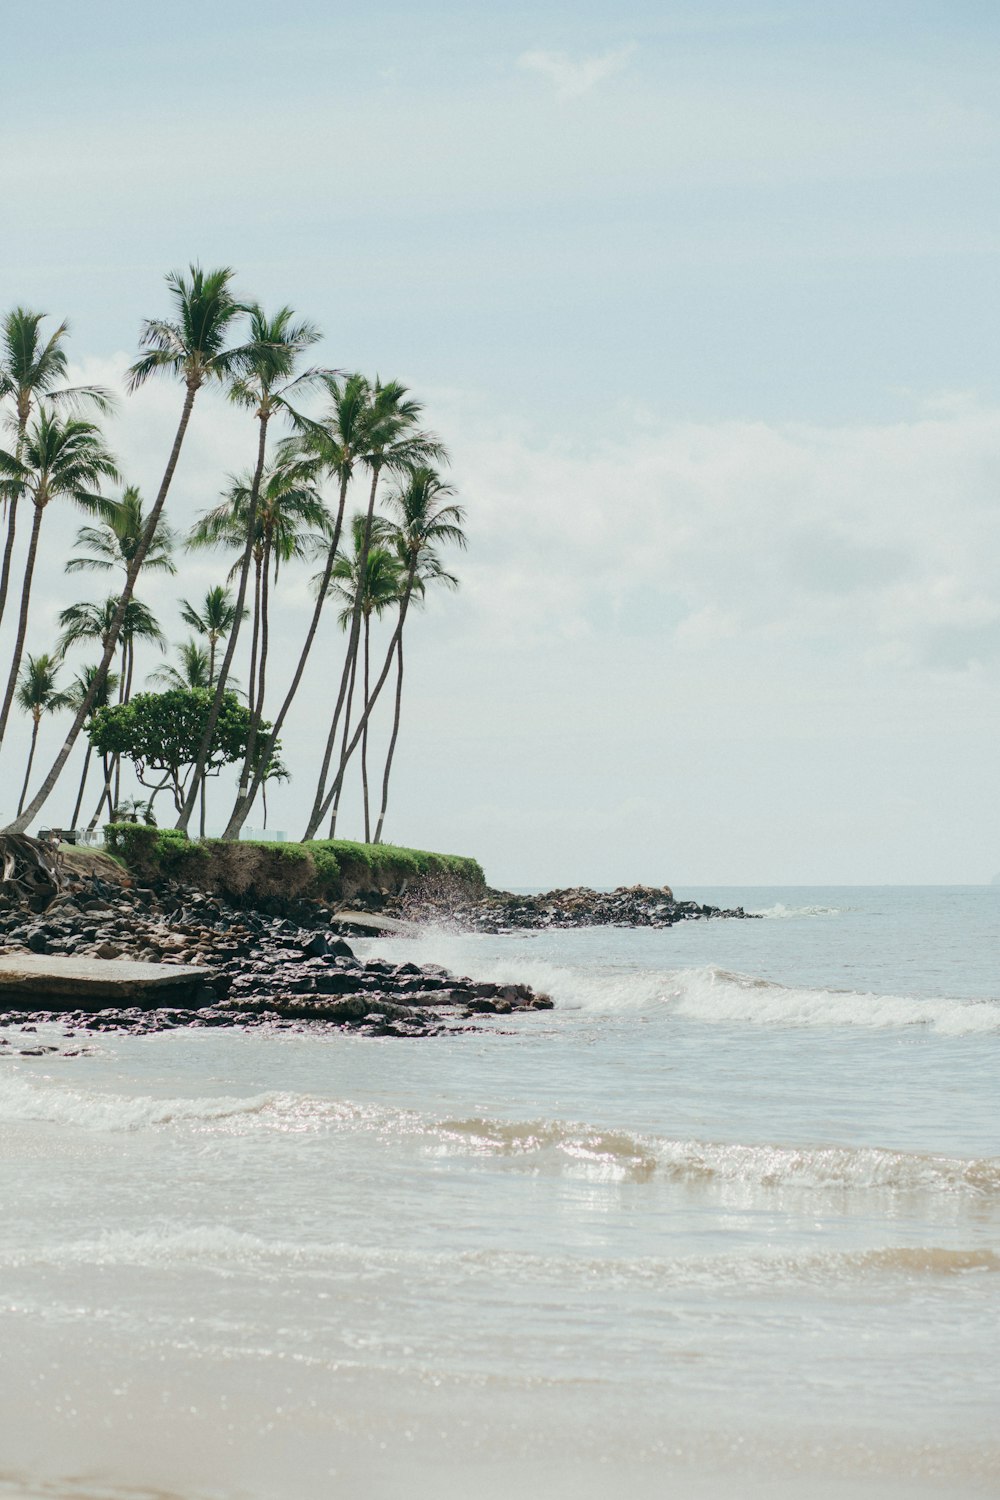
{"type": "Point", "coordinates": [169, 851]}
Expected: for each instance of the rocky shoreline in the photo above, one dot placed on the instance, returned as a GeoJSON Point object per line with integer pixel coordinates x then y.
{"type": "Point", "coordinates": [259, 970]}
{"type": "Point", "coordinates": [577, 906]}
{"type": "Point", "coordinates": [289, 968]}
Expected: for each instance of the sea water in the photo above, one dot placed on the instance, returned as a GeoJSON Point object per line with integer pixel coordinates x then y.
{"type": "Point", "coordinates": [724, 1223]}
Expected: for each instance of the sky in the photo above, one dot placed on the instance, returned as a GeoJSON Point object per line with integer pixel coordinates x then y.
{"type": "Point", "coordinates": [703, 299]}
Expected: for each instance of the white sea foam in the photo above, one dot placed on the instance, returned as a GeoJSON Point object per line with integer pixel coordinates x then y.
{"type": "Point", "coordinates": [716, 995]}
{"type": "Point", "coordinates": [779, 911]}
{"type": "Point", "coordinates": [226, 1250]}
{"type": "Point", "coordinates": [566, 1147]}
{"type": "Point", "coordinates": [24, 1100]}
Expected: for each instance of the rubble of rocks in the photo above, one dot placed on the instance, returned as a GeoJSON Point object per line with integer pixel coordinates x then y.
{"type": "Point", "coordinates": [578, 906]}
{"type": "Point", "coordinates": [260, 969]}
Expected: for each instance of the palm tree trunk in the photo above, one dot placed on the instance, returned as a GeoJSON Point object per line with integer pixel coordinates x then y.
{"type": "Point", "coordinates": [83, 712]}
{"type": "Point", "coordinates": [205, 748]}
{"type": "Point", "coordinates": [248, 788]}
{"type": "Point", "coordinates": [255, 636]}
{"type": "Point", "coordinates": [31, 756]}
{"type": "Point", "coordinates": [83, 783]}
{"type": "Point", "coordinates": [392, 742]}
{"type": "Point", "coordinates": [257, 692]}
{"type": "Point", "coordinates": [201, 819]}
{"type": "Point", "coordinates": [22, 622]}
{"type": "Point", "coordinates": [105, 793]}
{"type": "Point", "coordinates": [364, 737]}
{"type": "Point", "coordinates": [397, 633]}
{"type": "Point", "coordinates": [8, 553]}
{"type": "Point", "coordinates": [265, 626]}
{"type": "Point", "coordinates": [343, 746]}
{"type": "Point", "coordinates": [316, 816]}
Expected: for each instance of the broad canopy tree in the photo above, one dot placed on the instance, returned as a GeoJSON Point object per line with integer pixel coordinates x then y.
{"type": "Point", "coordinates": [162, 733]}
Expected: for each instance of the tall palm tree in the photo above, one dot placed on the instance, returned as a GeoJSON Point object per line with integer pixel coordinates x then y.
{"type": "Point", "coordinates": [31, 370]}
{"type": "Point", "coordinates": [407, 593]}
{"type": "Point", "coordinates": [60, 461]}
{"type": "Point", "coordinates": [76, 694]}
{"type": "Point", "coordinates": [36, 695]}
{"type": "Point", "coordinates": [288, 517]}
{"type": "Point", "coordinates": [423, 517]}
{"type": "Point", "coordinates": [114, 543]}
{"type": "Point", "coordinates": [377, 583]}
{"type": "Point", "coordinates": [264, 384]}
{"type": "Point", "coordinates": [336, 441]}
{"type": "Point", "coordinates": [214, 619]}
{"type": "Point", "coordinates": [193, 349]}
{"type": "Point", "coordinates": [394, 445]}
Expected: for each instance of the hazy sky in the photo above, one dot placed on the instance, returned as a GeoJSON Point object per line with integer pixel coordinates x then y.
{"type": "Point", "coordinates": [704, 298]}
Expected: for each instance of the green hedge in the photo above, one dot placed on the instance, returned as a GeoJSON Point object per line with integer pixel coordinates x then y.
{"type": "Point", "coordinates": [337, 857]}
{"type": "Point", "coordinates": [153, 851]}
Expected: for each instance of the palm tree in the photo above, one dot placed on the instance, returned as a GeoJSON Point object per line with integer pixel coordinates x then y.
{"type": "Point", "coordinates": [114, 543]}
{"type": "Point", "coordinates": [407, 591]}
{"type": "Point", "coordinates": [31, 370]}
{"type": "Point", "coordinates": [288, 507]}
{"type": "Point", "coordinates": [37, 694]}
{"type": "Point", "coordinates": [214, 620]}
{"type": "Point", "coordinates": [265, 381]}
{"type": "Point", "coordinates": [377, 585]}
{"type": "Point", "coordinates": [94, 622]}
{"type": "Point", "coordinates": [336, 441]}
{"type": "Point", "coordinates": [75, 695]}
{"type": "Point", "coordinates": [192, 674]}
{"type": "Point", "coordinates": [192, 348]}
{"type": "Point", "coordinates": [89, 621]}
{"type": "Point", "coordinates": [423, 518]}
{"type": "Point", "coordinates": [395, 445]}
{"type": "Point", "coordinates": [60, 461]}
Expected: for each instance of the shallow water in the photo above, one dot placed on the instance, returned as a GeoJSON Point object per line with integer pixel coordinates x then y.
{"type": "Point", "coordinates": [726, 1222]}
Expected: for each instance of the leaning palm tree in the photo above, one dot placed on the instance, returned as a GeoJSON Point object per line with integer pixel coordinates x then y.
{"type": "Point", "coordinates": [265, 382]}
{"type": "Point", "coordinates": [36, 695]}
{"type": "Point", "coordinates": [423, 518]}
{"type": "Point", "coordinates": [32, 369]}
{"type": "Point", "coordinates": [193, 349]}
{"type": "Point", "coordinates": [213, 619]}
{"type": "Point", "coordinates": [76, 694]}
{"type": "Point", "coordinates": [114, 543]}
{"type": "Point", "coordinates": [377, 583]}
{"type": "Point", "coordinates": [336, 441]}
{"type": "Point", "coordinates": [395, 445]}
{"type": "Point", "coordinates": [59, 461]}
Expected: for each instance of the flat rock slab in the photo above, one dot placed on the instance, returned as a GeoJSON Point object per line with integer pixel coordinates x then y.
{"type": "Point", "coordinates": [371, 923]}
{"type": "Point", "coordinates": [50, 983]}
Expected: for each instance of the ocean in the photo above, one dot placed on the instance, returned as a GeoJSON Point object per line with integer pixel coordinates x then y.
{"type": "Point", "coordinates": [725, 1223]}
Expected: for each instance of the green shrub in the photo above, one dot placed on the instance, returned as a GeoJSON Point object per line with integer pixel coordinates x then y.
{"type": "Point", "coordinates": [152, 851]}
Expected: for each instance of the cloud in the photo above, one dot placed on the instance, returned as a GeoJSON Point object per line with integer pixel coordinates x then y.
{"type": "Point", "coordinates": [572, 78]}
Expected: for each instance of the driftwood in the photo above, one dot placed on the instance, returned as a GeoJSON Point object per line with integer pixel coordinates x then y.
{"type": "Point", "coordinates": [32, 872]}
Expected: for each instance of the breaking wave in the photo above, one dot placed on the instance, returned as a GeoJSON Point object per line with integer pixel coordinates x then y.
{"type": "Point", "coordinates": [712, 994]}
{"type": "Point", "coordinates": [545, 1146]}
